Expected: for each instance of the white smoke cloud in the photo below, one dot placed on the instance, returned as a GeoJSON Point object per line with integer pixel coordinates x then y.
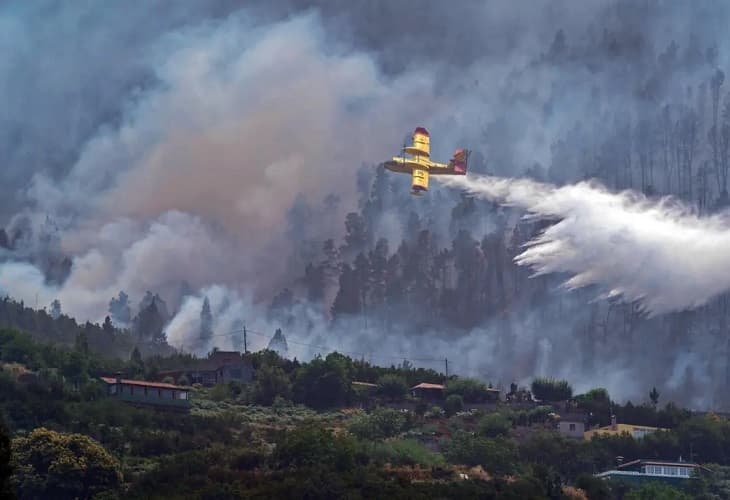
{"type": "Point", "coordinates": [657, 252]}
{"type": "Point", "coordinates": [195, 182]}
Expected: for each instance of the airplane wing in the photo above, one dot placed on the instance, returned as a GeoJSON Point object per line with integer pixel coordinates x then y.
{"type": "Point", "coordinates": [399, 164]}
{"type": "Point", "coordinates": [456, 166]}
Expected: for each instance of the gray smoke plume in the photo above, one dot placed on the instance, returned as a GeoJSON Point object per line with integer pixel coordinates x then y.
{"type": "Point", "coordinates": [206, 151]}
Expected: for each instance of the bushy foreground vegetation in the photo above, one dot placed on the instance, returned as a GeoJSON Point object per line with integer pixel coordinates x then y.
{"type": "Point", "coordinates": [303, 430]}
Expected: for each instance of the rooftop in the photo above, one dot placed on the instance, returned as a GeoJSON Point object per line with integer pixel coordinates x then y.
{"type": "Point", "coordinates": [143, 383]}
{"type": "Point", "coordinates": [621, 428]}
{"type": "Point", "coordinates": [426, 385]}
{"type": "Point", "coordinates": [571, 417]}
{"type": "Point", "coordinates": [667, 463]}
{"type": "Point", "coordinates": [364, 384]}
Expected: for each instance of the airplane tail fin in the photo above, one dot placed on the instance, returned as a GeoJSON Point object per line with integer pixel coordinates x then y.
{"type": "Point", "coordinates": [460, 161]}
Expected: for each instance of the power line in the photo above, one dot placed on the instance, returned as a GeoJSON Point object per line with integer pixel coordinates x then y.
{"type": "Point", "coordinates": [245, 331]}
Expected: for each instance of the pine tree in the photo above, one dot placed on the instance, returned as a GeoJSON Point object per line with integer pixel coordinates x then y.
{"type": "Point", "coordinates": [55, 309]}
{"type": "Point", "coordinates": [136, 364]}
{"type": "Point", "coordinates": [278, 343]}
{"type": "Point", "coordinates": [654, 396]}
{"type": "Point", "coordinates": [206, 321]}
{"type": "Point", "coordinates": [108, 327]}
{"type": "Point", "coordinates": [81, 344]}
{"type": "Point", "coordinates": [347, 300]}
{"type": "Point", "coordinates": [119, 309]}
{"type": "Point", "coordinates": [314, 282]}
{"type": "Point", "coordinates": [148, 324]}
{"type": "Point", "coordinates": [378, 272]}
{"type": "Point", "coordinates": [356, 237]}
{"type": "Point", "coordinates": [361, 271]}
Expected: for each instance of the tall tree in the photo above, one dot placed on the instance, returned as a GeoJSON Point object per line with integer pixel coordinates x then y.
{"type": "Point", "coordinates": [378, 280]}
{"type": "Point", "coordinates": [119, 309]}
{"type": "Point", "coordinates": [347, 300]}
{"type": "Point", "coordinates": [356, 235]}
{"type": "Point", "coordinates": [108, 327]}
{"type": "Point", "coordinates": [55, 311]}
{"type": "Point", "coordinates": [206, 321]}
{"type": "Point", "coordinates": [714, 135]}
{"type": "Point", "coordinates": [5, 469]}
{"type": "Point", "coordinates": [149, 324]}
{"type": "Point", "coordinates": [724, 153]}
{"type": "Point", "coordinates": [278, 343]}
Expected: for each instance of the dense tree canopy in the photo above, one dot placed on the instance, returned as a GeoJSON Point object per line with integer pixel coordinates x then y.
{"type": "Point", "coordinates": [50, 464]}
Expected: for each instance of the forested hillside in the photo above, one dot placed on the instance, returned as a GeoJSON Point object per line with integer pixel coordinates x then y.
{"type": "Point", "coordinates": [305, 430]}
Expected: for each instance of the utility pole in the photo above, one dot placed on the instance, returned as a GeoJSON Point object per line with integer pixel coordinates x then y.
{"type": "Point", "coordinates": [446, 362]}
{"type": "Point", "coordinates": [245, 345]}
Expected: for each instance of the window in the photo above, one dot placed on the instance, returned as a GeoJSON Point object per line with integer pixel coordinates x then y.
{"type": "Point", "coordinates": [572, 427]}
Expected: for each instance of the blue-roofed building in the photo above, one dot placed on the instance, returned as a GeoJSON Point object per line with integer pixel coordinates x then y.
{"type": "Point", "coordinates": [638, 472]}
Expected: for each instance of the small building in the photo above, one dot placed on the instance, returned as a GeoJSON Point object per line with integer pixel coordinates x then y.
{"type": "Point", "coordinates": [219, 367]}
{"type": "Point", "coordinates": [616, 429]}
{"type": "Point", "coordinates": [642, 471]}
{"type": "Point", "coordinates": [492, 394]}
{"type": "Point", "coordinates": [572, 425]}
{"type": "Point", "coordinates": [141, 392]}
{"type": "Point", "coordinates": [364, 386]}
{"type": "Point", "coordinates": [429, 392]}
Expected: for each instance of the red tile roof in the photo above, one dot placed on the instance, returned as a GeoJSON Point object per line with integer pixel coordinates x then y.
{"type": "Point", "coordinates": [426, 385]}
{"type": "Point", "coordinates": [144, 383]}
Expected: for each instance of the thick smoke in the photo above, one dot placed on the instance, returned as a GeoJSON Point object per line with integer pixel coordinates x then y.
{"type": "Point", "coordinates": [195, 183]}
{"type": "Point", "coordinates": [195, 155]}
{"type": "Point", "coordinates": [657, 252]}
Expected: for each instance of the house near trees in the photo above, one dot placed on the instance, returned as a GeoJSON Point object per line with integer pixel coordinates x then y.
{"type": "Point", "coordinates": [572, 425]}
{"type": "Point", "coordinates": [616, 429]}
{"type": "Point", "coordinates": [141, 392]}
{"type": "Point", "coordinates": [428, 392]}
{"type": "Point", "coordinates": [638, 472]}
{"type": "Point", "coordinates": [219, 367]}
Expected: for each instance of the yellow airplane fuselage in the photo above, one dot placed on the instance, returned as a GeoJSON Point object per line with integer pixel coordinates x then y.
{"type": "Point", "coordinates": [416, 160]}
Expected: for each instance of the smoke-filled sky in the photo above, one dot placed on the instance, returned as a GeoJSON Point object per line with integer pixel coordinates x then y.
{"type": "Point", "coordinates": [161, 144]}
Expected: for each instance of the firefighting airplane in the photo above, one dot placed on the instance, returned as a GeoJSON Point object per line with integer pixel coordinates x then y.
{"type": "Point", "coordinates": [419, 162]}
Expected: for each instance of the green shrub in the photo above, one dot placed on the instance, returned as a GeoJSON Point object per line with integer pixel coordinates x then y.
{"type": "Point", "coordinates": [271, 383]}
{"type": "Point", "coordinates": [471, 390]}
{"type": "Point", "coordinates": [435, 412]}
{"type": "Point", "coordinates": [497, 456]}
{"type": "Point", "coordinates": [652, 491]}
{"type": "Point", "coordinates": [392, 386]}
{"type": "Point", "coordinates": [311, 446]}
{"type": "Point", "coordinates": [248, 459]}
{"type": "Point", "coordinates": [380, 424]}
{"type": "Point", "coordinates": [405, 452]}
{"type": "Point", "coordinates": [494, 425]}
{"type": "Point", "coordinates": [550, 389]}
{"type": "Point", "coordinates": [49, 464]}
{"type": "Point", "coordinates": [453, 404]}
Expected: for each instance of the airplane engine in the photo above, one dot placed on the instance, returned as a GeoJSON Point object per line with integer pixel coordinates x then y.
{"type": "Point", "coordinates": [420, 180]}
{"type": "Point", "coordinates": [459, 161]}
